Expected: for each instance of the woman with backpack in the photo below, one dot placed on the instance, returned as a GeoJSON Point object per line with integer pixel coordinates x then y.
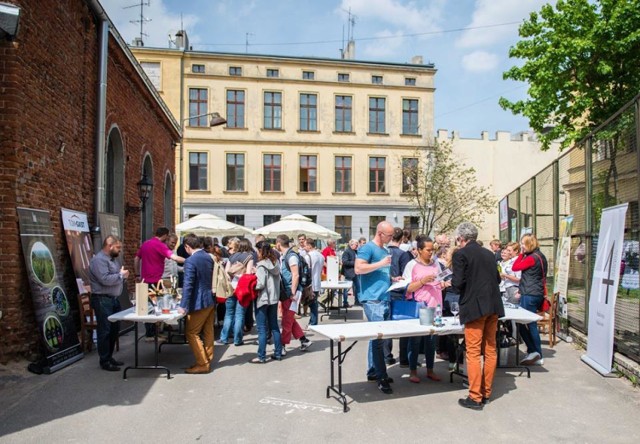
{"type": "Point", "coordinates": [239, 263]}
{"type": "Point", "coordinates": [533, 265]}
{"type": "Point", "coordinates": [268, 287]}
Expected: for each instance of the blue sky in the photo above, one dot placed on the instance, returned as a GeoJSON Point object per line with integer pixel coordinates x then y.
{"type": "Point", "coordinates": [470, 62]}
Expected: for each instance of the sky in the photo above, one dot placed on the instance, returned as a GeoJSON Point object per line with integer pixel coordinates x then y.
{"type": "Point", "coordinates": [468, 41]}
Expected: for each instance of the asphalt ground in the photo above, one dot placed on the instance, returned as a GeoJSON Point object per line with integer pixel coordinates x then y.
{"type": "Point", "coordinates": [285, 402]}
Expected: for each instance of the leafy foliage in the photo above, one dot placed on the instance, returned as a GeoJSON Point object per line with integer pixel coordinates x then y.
{"type": "Point", "coordinates": [443, 191]}
{"type": "Point", "coordinates": [581, 63]}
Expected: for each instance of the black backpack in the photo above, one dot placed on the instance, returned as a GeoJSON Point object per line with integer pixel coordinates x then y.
{"type": "Point", "coordinates": [304, 270]}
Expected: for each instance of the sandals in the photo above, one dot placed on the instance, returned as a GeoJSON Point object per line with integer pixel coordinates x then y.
{"type": "Point", "coordinates": [414, 379]}
{"type": "Point", "coordinates": [434, 377]}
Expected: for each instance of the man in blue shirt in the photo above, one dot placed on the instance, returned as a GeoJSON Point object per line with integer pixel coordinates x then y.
{"type": "Point", "coordinates": [373, 267]}
{"type": "Point", "coordinates": [197, 303]}
{"type": "Point", "coordinates": [107, 279]}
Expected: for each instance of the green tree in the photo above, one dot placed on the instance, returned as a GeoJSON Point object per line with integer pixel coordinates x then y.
{"type": "Point", "coordinates": [443, 191]}
{"type": "Point", "coordinates": [581, 62]}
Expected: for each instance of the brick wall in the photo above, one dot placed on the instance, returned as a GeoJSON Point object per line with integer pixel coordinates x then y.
{"type": "Point", "coordinates": [48, 96]}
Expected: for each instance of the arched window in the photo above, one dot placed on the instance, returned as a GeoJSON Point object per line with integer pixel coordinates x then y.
{"type": "Point", "coordinates": [168, 201]}
{"type": "Point", "coordinates": [114, 175]}
{"type": "Point", "coordinates": [147, 214]}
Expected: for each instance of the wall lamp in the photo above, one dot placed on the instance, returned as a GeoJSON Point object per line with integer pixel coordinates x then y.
{"type": "Point", "coordinates": [145, 186]}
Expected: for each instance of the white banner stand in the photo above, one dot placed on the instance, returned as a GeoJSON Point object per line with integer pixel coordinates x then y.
{"type": "Point", "coordinates": [604, 289]}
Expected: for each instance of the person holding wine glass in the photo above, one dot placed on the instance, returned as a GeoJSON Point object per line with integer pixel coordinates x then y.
{"type": "Point", "coordinates": [423, 287]}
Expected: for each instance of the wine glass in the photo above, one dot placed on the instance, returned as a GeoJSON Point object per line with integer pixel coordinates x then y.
{"type": "Point", "coordinates": [132, 299]}
{"type": "Point", "coordinates": [455, 309]}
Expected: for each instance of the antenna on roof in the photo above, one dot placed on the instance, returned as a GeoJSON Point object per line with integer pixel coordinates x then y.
{"type": "Point", "coordinates": [246, 41]}
{"type": "Point", "coordinates": [139, 41]}
{"type": "Point", "coordinates": [350, 51]}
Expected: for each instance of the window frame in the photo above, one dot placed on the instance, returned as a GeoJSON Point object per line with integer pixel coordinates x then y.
{"type": "Point", "coordinates": [340, 113]}
{"type": "Point", "coordinates": [374, 115]}
{"type": "Point", "coordinates": [342, 179]}
{"type": "Point", "coordinates": [377, 79]}
{"type": "Point", "coordinates": [344, 77]}
{"type": "Point", "coordinates": [272, 168]}
{"type": "Point", "coordinates": [406, 180]}
{"type": "Point", "coordinates": [237, 178]}
{"type": "Point", "coordinates": [235, 68]}
{"type": "Point", "coordinates": [200, 166]}
{"type": "Point", "coordinates": [413, 116]}
{"type": "Point", "coordinates": [308, 112]}
{"type": "Point", "coordinates": [345, 228]}
{"type": "Point", "coordinates": [195, 68]}
{"type": "Point", "coordinates": [304, 170]}
{"type": "Point", "coordinates": [202, 107]}
{"type": "Point", "coordinates": [308, 75]}
{"type": "Point", "coordinates": [409, 81]}
{"type": "Point", "coordinates": [233, 105]}
{"type": "Point", "coordinates": [377, 189]}
{"type": "Point", "coordinates": [276, 108]}
{"type": "Point", "coordinates": [273, 73]}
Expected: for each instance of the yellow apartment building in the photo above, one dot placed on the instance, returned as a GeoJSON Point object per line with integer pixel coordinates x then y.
{"type": "Point", "coordinates": [326, 138]}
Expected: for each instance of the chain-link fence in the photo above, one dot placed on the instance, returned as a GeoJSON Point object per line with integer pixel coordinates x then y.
{"type": "Point", "coordinates": [600, 172]}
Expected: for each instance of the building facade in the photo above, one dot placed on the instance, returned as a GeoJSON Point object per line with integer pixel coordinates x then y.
{"type": "Point", "coordinates": [80, 125]}
{"type": "Point", "coordinates": [322, 137]}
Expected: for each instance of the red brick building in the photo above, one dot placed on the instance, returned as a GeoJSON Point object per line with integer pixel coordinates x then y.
{"type": "Point", "coordinates": [61, 121]}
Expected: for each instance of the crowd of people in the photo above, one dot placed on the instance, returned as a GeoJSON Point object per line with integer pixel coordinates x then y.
{"type": "Point", "coordinates": [243, 285]}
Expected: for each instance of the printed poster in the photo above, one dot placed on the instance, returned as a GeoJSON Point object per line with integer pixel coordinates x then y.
{"type": "Point", "coordinates": [50, 303]}
{"type": "Point", "coordinates": [562, 263]}
{"type": "Point", "coordinates": [604, 289]}
{"type": "Point", "coordinates": [76, 231]}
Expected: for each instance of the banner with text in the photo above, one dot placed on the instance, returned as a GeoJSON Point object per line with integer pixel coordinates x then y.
{"type": "Point", "coordinates": [604, 289]}
{"type": "Point", "coordinates": [50, 304]}
{"type": "Point", "coordinates": [562, 263]}
{"type": "Point", "coordinates": [76, 230]}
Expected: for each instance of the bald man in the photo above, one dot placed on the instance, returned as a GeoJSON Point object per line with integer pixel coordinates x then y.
{"type": "Point", "coordinates": [373, 267]}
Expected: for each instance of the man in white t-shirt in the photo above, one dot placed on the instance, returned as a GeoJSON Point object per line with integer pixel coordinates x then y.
{"type": "Point", "coordinates": [316, 261]}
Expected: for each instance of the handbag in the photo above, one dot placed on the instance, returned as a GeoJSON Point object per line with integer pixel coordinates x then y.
{"type": "Point", "coordinates": [405, 309]}
{"type": "Point", "coordinates": [239, 268]}
{"type": "Point", "coordinates": [308, 295]}
{"type": "Point", "coordinates": [221, 285]}
{"type": "Point", "coordinates": [545, 306]}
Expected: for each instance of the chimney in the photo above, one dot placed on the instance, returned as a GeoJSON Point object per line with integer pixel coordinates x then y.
{"type": "Point", "coordinates": [350, 52]}
{"type": "Point", "coordinates": [484, 135]}
{"type": "Point", "coordinates": [137, 42]}
{"type": "Point", "coordinates": [182, 40]}
{"type": "Point", "coordinates": [417, 60]}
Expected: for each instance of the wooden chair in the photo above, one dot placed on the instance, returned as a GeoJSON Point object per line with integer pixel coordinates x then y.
{"type": "Point", "coordinates": [547, 325]}
{"type": "Point", "coordinates": [88, 323]}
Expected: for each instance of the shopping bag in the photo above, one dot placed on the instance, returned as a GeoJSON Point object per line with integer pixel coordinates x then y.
{"type": "Point", "coordinates": [142, 298]}
{"type": "Point", "coordinates": [404, 309]}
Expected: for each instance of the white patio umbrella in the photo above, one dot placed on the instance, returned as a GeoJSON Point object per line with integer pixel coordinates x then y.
{"type": "Point", "coordinates": [211, 225]}
{"type": "Point", "coordinates": [296, 224]}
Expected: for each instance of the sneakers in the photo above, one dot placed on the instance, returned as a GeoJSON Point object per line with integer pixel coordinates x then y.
{"type": "Point", "coordinates": [284, 351]}
{"type": "Point", "coordinates": [305, 345]}
{"type": "Point", "coordinates": [391, 361]}
{"type": "Point", "coordinates": [373, 378]}
{"type": "Point", "coordinates": [384, 387]}
{"type": "Point", "coordinates": [539, 362]}
{"type": "Point", "coordinates": [470, 404]}
{"type": "Point", "coordinates": [221, 342]}
{"type": "Point", "coordinates": [531, 358]}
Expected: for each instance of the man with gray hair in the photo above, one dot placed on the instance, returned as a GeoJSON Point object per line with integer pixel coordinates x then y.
{"type": "Point", "coordinates": [476, 278]}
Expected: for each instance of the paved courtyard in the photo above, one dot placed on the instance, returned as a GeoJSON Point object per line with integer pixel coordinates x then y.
{"type": "Point", "coordinates": [564, 401]}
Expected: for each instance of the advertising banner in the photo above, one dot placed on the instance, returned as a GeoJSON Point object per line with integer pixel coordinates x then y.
{"type": "Point", "coordinates": [604, 289]}
{"type": "Point", "coordinates": [50, 304]}
{"type": "Point", "coordinates": [504, 214]}
{"type": "Point", "coordinates": [76, 231]}
{"type": "Point", "coordinates": [562, 263]}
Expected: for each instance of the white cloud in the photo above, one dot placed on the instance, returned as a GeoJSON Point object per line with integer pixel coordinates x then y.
{"type": "Point", "coordinates": [385, 47]}
{"type": "Point", "coordinates": [480, 61]}
{"type": "Point", "coordinates": [410, 16]}
{"type": "Point", "coordinates": [491, 12]}
{"type": "Point", "coordinates": [161, 24]}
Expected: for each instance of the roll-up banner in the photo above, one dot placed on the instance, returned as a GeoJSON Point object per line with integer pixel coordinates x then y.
{"type": "Point", "coordinates": [52, 309]}
{"type": "Point", "coordinates": [604, 289]}
{"type": "Point", "coordinates": [76, 231]}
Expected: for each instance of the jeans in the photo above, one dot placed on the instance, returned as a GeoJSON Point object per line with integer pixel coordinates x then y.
{"type": "Point", "coordinates": [529, 332]}
{"type": "Point", "coordinates": [267, 320]}
{"type": "Point", "coordinates": [104, 306]}
{"type": "Point", "coordinates": [233, 321]}
{"type": "Point", "coordinates": [429, 350]}
{"type": "Point", "coordinates": [313, 309]}
{"type": "Point", "coordinates": [355, 288]}
{"type": "Point", "coordinates": [376, 311]}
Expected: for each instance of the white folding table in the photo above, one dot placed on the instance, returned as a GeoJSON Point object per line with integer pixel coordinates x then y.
{"type": "Point", "coordinates": [333, 288]}
{"type": "Point", "coordinates": [130, 315]}
{"type": "Point", "coordinates": [357, 331]}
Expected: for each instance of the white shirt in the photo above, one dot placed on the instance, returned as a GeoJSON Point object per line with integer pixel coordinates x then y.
{"type": "Point", "coordinates": [316, 260]}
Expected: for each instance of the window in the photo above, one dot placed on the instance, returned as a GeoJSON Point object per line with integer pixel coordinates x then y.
{"type": "Point", "coordinates": [235, 71]}
{"type": "Point", "coordinates": [153, 70]}
{"type": "Point", "coordinates": [272, 110]}
{"type": "Point", "coordinates": [272, 172]}
{"type": "Point", "coordinates": [268, 219]}
{"type": "Point", "coordinates": [373, 224]}
{"type": "Point", "coordinates": [235, 109]}
{"type": "Point", "coordinates": [376, 115]}
{"type": "Point", "coordinates": [343, 77]}
{"type": "Point", "coordinates": [197, 69]}
{"type": "Point", "coordinates": [308, 112]}
{"type": "Point", "coordinates": [197, 171]}
{"type": "Point", "coordinates": [409, 116]}
{"type": "Point", "coordinates": [308, 75]}
{"type": "Point", "coordinates": [308, 174]}
{"type": "Point", "coordinates": [237, 219]}
{"type": "Point", "coordinates": [410, 81]}
{"type": "Point", "coordinates": [376, 174]}
{"type": "Point", "coordinates": [273, 73]}
{"type": "Point", "coordinates": [343, 226]}
{"type": "Point", "coordinates": [409, 174]}
{"type": "Point", "coordinates": [313, 218]}
{"type": "Point", "coordinates": [376, 80]}
{"type": "Point", "coordinates": [343, 174]}
{"type": "Point", "coordinates": [412, 223]}
{"type": "Point", "coordinates": [198, 107]}
{"type": "Point", "coordinates": [343, 114]}
{"type": "Point", "coordinates": [235, 172]}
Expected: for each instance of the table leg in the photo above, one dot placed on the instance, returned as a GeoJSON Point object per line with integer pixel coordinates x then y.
{"type": "Point", "coordinates": [522, 368]}
{"type": "Point", "coordinates": [180, 333]}
{"type": "Point", "coordinates": [340, 357]}
{"type": "Point", "coordinates": [146, 367]}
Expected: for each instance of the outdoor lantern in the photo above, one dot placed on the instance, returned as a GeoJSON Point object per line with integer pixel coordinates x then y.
{"type": "Point", "coordinates": [217, 119]}
{"type": "Point", "coordinates": [145, 186]}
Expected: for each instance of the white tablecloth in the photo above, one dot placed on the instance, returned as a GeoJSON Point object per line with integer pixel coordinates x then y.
{"type": "Point", "coordinates": [326, 285]}
{"type": "Point", "coordinates": [129, 315]}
